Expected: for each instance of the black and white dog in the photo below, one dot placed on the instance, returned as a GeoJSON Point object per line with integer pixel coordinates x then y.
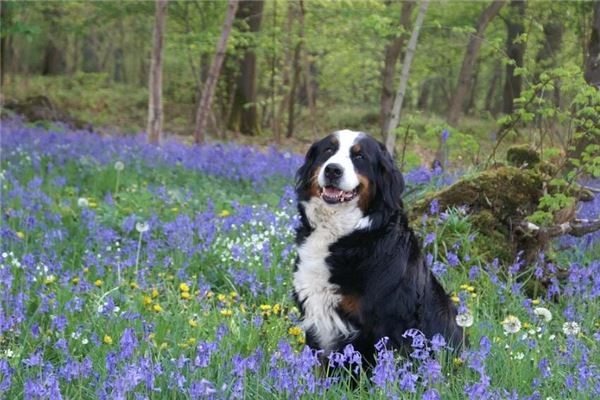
{"type": "Point", "coordinates": [359, 274]}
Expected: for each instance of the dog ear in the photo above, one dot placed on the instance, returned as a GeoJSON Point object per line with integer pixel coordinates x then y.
{"type": "Point", "coordinates": [390, 180]}
{"type": "Point", "coordinates": [304, 175]}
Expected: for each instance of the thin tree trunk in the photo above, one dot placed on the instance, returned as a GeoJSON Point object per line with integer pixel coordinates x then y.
{"type": "Point", "coordinates": [5, 19]}
{"type": "Point", "coordinates": [310, 96]}
{"type": "Point", "coordinates": [592, 60]}
{"type": "Point", "coordinates": [155, 108]}
{"type": "Point", "coordinates": [390, 133]}
{"type": "Point", "coordinates": [474, 79]}
{"type": "Point", "coordinates": [515, 49]}
{"type": "Point", "coordinates": [294, 85]}
{"type": "Point", "coordinates": [285, 100]}
{"type": "Point", "coordinates": [464, 78]}
{"type": "Point", "coordinates": [392, 53]}
{"type": "Point", "coordinates": [213, 75]}
{"type": "Point", "coordinates": [489, 98]}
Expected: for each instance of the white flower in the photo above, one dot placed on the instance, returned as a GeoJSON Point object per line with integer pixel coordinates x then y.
{"type": "Point", "coordinates": [84, 341]}
{"type": "Point", "coordinates": [543, 313]}
{"type": "Point", "coordinates": [9, 353]}
{"type": "Point", "coordinates": [119, 166]}
{"type": "Point", "coordinates": [465, 319]}
{"type": "Point", "coordinates": [571, 328]}
{"type": "Point", "coordinates": [142, 227]}
{"type": "Point", "coordinates": [519, 356]}
{"type": "Point", "coordinates": [511, 324]}
{"type": "Point", "coordinates": [82, 202]}
{"type": "Point", "coordinates": [552, 337]}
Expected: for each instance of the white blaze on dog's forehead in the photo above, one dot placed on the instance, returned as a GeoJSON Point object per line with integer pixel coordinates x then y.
{"type": "Point", "coordinates": [346, 139]}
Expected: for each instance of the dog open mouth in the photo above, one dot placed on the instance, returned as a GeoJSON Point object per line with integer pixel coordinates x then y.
{"type": "Point", "coordinates": [333, 195]}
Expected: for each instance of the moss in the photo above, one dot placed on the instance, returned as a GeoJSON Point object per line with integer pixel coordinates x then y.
{"type": "Point", "coordinates": [522, 155]}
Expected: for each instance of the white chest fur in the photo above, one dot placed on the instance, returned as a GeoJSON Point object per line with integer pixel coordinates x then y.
{"type": "Point", "coordinates": [311, 280]}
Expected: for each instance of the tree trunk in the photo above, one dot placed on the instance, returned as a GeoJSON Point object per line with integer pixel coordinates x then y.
{"type": "Point", "coordinates": [155, 108]}
{"type": "Point", "coordinates": [310, 95]}
{"type": "Point", "coordinates": [54, 62]}
{"type": "Point", "coordinates": [213, 74]}
{"type": "Point", "coordinates": [392, 53]}
{"type": "Point", "coordinates": [390, 133]}
{"type": "Point", "coordinates": [244, 115]}
{"type": "Point", "coordinates": [471, 103]}
{"type": "Point", "coordinates": [592, 61]}
{"type": "Point", "coordinates": [490, 96]}
{"type": "Point", "coordinates": [294, 85]}
{"type": "Point", "coordinates": [546, 56]}
{"type": "Point", "coordinates": [515, 49]}
{"type": "Point", "coordinates": [5, 20]}
{"type": "Point", "coordinates": [464, 77]}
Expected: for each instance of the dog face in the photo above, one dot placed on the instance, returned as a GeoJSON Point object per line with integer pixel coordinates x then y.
{"type": "Point", "coordinates": [350, 167]}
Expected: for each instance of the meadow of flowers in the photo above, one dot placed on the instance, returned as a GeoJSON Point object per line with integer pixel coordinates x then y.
{"type": "Point", "coordinates": [133, 271]}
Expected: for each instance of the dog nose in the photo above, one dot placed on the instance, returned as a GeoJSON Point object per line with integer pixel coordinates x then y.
{"type": "Point", "coordinates": [333, 171]}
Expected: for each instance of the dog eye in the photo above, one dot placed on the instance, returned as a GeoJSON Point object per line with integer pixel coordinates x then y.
{"type": "Point", "coordinates": [328, 151]}
{"type": "Point", "coordinates": [358, 156]}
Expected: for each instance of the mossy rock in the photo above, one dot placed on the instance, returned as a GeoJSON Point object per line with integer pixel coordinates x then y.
{"type": "Point", "coordinates": [497, 199]}
{"type": "Point", "coordinates": [522, 155]}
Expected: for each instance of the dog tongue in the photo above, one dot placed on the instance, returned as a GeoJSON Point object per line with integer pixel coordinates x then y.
{"type": "Point", "coordinates": [332, 191]}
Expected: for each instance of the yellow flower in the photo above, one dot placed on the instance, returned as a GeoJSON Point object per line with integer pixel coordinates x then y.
{"type": "Point", "coordinates": [174, 209]}
{"type": "Point", "coordinates": [295, 331]}
{"type": "Point", "coordinates": [277, 308]}
{"type": "Point", "coordinates": [184, 287]}
{"type": "Point", "coordinates": [163, 345]}
{"type": "Point", "coordinates": [151, 336]}
{"type": "Point", "coordinates": [191, 341]}
{"type": "Point", "coordinates": [86, 270]}
{"type": "Point", "coordinates": [147, 300]}
{"type": "Point", "coordinates": [226, 312]}
{"type": "Point", "coordinates": [233, 295]}
{"type": "Point", "coordinates": [20, 235]}
{"type": "Point", "coordinates": [186, 295]}
{"type": "Point", "coordinates": [50, 279]}
{"type": "Point", "coordinates": [265, 307]}
{"type": "Point", "coordinates": [470, 288]}
{"type": "Point", "coordinates": [457, 362]}
{"type": "Point", "coordinates": [133, 285]}
{"type": "Point", "coordinates": [526, 325]}
{"type": "Point", "coordinates": [301, 340]}
{"type": "Point", "coordinates": [535, 302]}
{"type": "Point", "coordinates": [455, 298]}
{"type": "Point", "coordinates": [107, 339]}
{"type": "Point", "coordinates": [464, 286]}
{"type": "Point", "coordinates": [93, 204]}
{"type": "Point", "coordinates": [192, 322]}
{"type": "Point", "coordinates": [209, 294]}
{"type": "Point", "coordinates": [154, 293]}
{"type": "Point", "coordinates": [243, 308]}
{"type": "Point", "coordinates": [221, 297]}
{"type": "Point", "coordinates": [224, 213]}
{"type": "Point", "coordinates": [75, 280]}
{"type": "Point", "coordinates": [157, 308]}
{"type": "Point", "coordinates": [98, 282]}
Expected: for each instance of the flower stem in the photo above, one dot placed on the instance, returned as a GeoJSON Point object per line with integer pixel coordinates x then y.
{"type": "Point", "coordinates": [137, 257]}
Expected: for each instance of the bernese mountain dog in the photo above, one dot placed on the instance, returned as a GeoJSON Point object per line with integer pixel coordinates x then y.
{"type": "Point", "coordinates": [359, 274]}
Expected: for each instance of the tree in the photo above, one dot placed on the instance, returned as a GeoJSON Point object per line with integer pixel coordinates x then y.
{"type": "Point", "coordinates": [466, 71]}
{"type": "Point", "coordinates": [392, 53]}
{"type": "Point", "coordinates": [592, 61]}
{"type": "Point", "coordinates": [390, 134]}
{"type": "Point", "coordinates": [155, 108]}
{"type": "Point", "coordinates": [213, 74]}
{"type": "Point", "coordinates": [515, 49]}
{"type": "Point", "coordinates": [244, 114]}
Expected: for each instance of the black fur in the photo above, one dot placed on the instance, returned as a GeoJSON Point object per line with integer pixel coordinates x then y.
{"type": "Point", "coordinates": [382, 265]}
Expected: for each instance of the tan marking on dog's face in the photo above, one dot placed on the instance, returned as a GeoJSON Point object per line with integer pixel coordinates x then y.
{"type": "Point", "coordinates": [364, 193]}
{"type": "Point", "coordinates": [315, 189]}
{"type": "Point", "coordinates": [356, 148]}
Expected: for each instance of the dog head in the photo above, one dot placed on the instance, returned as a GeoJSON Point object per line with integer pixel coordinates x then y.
{"type": "Point", "coordinates": [351, 167]}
